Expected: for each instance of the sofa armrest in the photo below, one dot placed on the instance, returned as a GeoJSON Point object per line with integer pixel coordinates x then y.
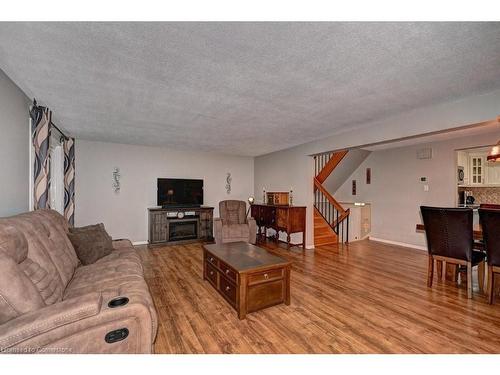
{"type": "Point", "coordinates": [121, 243]}
{"type": "Point", "coordinates": [218, 230]}
{"type": "Point", "coordinates": [41, 321]}
{"type": "Point", "coordinates": [252, 230]}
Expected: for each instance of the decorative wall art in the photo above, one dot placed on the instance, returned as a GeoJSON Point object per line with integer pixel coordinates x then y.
{"type": "Point", "coordinates": [116, 180]}
{"type": "Point", "coordinates": [228, 183]}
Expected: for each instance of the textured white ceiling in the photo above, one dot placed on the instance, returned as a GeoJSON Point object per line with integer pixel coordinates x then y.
{"type": "Point", "coordinates": [242, 88]}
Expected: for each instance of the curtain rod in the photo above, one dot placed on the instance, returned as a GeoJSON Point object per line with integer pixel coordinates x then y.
{"type": "Point", "coordinates": [51, 123]}
{"type": "Point", "coordinates": [59, 130]}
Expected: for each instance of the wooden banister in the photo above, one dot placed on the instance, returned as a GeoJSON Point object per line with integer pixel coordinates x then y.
{"type": "Point", "coordinates": [342, 217]}
{"type": "Point", "coordinates": [335, 159]}
{"type": "Point", "coordinates": [329, 197]}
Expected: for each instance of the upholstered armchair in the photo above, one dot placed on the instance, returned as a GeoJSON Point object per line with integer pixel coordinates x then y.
{"type": "Point", "coordinates": [233, 224]}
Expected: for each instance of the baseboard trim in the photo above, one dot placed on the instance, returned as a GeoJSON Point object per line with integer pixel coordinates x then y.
{"type": "Point", "coordinates": [138, 243]}
{"type": "Point", "coordinates": [403, 244]}
{"type": "Point", "coordinates": [360, 239]}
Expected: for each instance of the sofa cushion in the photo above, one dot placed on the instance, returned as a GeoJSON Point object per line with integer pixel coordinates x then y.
{"type": "Point", "coordinates": [62, 252]}
{"type": "Point", "coordinates": [232, 212]}
{"type": "Point", "coordinates": [91, 242]}
{"type": "Point", "coordinates": [41, 254]}
{"type": "Point", "coordinates": [18, 295]}
{"type": "Point", "coordinates": [105, 275]}
{"type": "Point", "coordinates": [235, 231]}
{"type": "Point", "coordinates": [129, 255]}
{"type": "Point", "coordinates": [13, 243]}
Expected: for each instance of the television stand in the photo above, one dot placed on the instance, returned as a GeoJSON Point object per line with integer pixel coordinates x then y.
{"type": "Point", "coordinates": [172, 225]}
{"type": "Point", "coordinates": [181, 207]}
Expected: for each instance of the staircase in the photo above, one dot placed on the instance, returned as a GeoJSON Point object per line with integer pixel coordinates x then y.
{"type": "Point", "coordinates": [323, 233]}
{"type": "Point", "coordinates": [331, 220]}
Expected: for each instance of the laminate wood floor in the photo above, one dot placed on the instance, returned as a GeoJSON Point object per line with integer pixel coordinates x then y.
{"type": "Point", "coordinates": [366, 297]}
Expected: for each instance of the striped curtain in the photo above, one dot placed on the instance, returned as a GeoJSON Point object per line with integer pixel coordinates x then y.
{"type": "Point", "coordinates": [41, 129]}
{"type": "Point", "coordinates": [69, 180]}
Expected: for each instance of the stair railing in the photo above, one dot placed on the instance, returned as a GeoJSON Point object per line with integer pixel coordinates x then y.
{"type": "Point", "coordinates": [326, 205]}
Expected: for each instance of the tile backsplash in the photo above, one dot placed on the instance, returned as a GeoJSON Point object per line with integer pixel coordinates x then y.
{"type": "Point", "coordinates": [484, 194]}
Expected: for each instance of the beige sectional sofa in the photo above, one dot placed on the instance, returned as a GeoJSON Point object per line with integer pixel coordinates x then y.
{"type": "Point", "coordinates": [50, 303]}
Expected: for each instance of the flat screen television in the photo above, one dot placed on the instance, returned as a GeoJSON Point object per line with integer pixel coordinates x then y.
{"type": "Point", "coordinates": [180, 192]}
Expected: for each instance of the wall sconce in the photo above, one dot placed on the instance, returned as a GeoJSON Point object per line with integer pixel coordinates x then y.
{"type": "Point", "coordinates": [228, 183]}
{"type": "Point", "coordinates": [251, 200]}
{"type": "Point", "coordinates": [116, 180]}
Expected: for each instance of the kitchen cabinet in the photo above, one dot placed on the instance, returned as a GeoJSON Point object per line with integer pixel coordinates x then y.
{"type": "Point", "coordinates": [493, 173]}
{"type": "Point", "coordinates": [477, 170]}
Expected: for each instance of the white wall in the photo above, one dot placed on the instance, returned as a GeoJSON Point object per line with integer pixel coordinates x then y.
{"type": "Point", "coordinates": [347, 166]}
{"type": "Point", "coordinates": [14, 148]}
{"type": "Point", "coordinates": [396, 192]}
{"type": "Point", "coordinates": [125, 214]}
{"type": "Point", "coordinates": [293, 167]}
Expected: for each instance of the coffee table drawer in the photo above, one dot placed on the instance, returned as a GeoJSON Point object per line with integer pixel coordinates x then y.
{"type": "Point", "coordinates": [261, 277]}
{"type": "Point", "coordinates": [227, 271]}
{"type": "Point", "coordinates": [212, 259]}
{"type": "Point", "coordinates": [211, 273]}
{"type": "Point", "coordinates": [228, 290]}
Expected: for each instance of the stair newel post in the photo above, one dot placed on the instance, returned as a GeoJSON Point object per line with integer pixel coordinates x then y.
{"type": "Point", "coordinates": [347, 239]}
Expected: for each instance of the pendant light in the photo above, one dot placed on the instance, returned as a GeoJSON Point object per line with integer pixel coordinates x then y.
{"type": "Point", "coordinates": [494, 155]}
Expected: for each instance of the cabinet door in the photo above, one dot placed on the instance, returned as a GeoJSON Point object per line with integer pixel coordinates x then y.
{"type": "Point", "coordinates": [282, 218]}
{"type": "Point", "coordinates": [205, 229]}
{"type": "Point", "coordinates": [477, 170]}
{"type": "Point", "coordinates": [270, 216]}
{"type": "Point", "coordinates": [493, 175]}
{"type": "Point", "coordinates": [158, 229]}
{"type": "Point", "coordinates": [254, 212]}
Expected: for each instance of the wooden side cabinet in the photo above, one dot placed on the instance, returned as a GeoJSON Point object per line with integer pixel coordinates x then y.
{"type": "Point", "coordinates": [288, 219]}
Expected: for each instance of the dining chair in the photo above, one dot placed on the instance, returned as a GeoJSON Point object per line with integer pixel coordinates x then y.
{"type": "Point", "coordinates": [450, 240]}
{"type": "Point", "coordinates": [490, 223]}
{"type": "Point", "coordinates": [479, 244]}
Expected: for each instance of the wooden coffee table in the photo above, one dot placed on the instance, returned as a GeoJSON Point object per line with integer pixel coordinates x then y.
{"type": "Point", "coordinates": [248, 277]}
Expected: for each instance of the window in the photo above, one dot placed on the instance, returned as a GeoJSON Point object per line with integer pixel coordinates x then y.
{"type": "Point", "coordinates": [56, 155]}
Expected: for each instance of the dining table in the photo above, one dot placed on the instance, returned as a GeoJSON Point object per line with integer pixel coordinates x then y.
{"type": "Point", "coordinates": [476, 230]}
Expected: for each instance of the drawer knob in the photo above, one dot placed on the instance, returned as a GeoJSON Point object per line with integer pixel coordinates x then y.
{"type": "Point", "coordinates": [211, 272]}
{"type": "Point", "coordinates": [266, 276]}
{"type": "Point", "coordinates": [227, 289]}
{"type": "Point", "coordinates": [211, 259]}
{"type": "Point", "coordinates": [227, 272]}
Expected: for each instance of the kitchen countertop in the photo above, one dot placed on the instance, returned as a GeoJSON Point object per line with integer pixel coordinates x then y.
{"type": "Point", "coordinates": [473, 206]}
